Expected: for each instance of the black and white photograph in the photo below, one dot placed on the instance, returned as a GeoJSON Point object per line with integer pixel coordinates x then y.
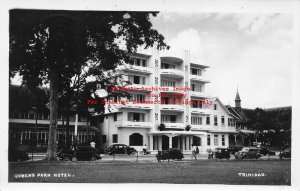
{"type": "Point", "coordinates": [159, 95]}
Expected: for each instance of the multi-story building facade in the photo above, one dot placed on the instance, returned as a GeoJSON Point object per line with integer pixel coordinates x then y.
{"type": "Point", "coordinates": [167, 90]}
{"type": "Point", "coordinates": [29, 123]}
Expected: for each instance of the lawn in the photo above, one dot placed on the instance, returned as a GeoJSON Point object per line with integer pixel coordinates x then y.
{"type": "Point", "coordinates": [272, 172]}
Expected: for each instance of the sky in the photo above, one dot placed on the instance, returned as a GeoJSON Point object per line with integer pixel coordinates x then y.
{"type": "Point", "coordinates": [251, 52]}
{"type": "Point", "coordinates": [245, 50]}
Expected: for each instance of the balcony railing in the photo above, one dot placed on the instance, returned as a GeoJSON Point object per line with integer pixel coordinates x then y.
{"type": "Point", "coordinates": [139, 69]}
{"type": "Point", "coordinates": [137, 124]}
{"type": "Point", "coordinates": [172, 73]}
{"type": "Point", "coordinates": [198, 78]}
{"type": "Point", "coordinates": [172, 107]}
{"type": "Point", "coordinates": [175, 125]}
{"type": "Point", "coordinates": [135, 106]}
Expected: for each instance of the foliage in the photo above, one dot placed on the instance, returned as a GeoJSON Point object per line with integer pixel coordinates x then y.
{"type": "Point", "coordinates": [70, 51]}
{"type": "Point", "coordinates": [169, 154]}
{"type": "Point", "coordinates": [188, 127]}
{"type": "Point", "coordinates": [162, 127]}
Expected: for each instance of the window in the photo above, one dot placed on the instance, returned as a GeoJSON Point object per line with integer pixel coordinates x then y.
{"type": "Point", "coordinates": [215, 106]}
{"type": "Point", "coordinates": [167, 66]}
{"type": "Point", "coordinates": [136, 139]}
{"type": "Point", "coordinates": [138, 97]}
{"type": "Point", "coordinates": [115, 117]}
{"type": "Point", "coordinates": [216, 120]}
{"type": "Point", "coordinates": [230, 122]}
{"type": "Point", "coordinates": [195, 71]}
{"type": "Point", "coordinates": [208, 140]}
{"type": "Point", "coordinates": [207, 120]}
{"type": "Point", "coordinates": [216, 140]}
{"type": "Point", "coordinates": [197, 104]}
{"type": "Point", "coordinates": [115, 138]}
{"type": "Point", "coordinates": [167, 83]}
{"type": "Point", "coordinates": [136, 117]}
{"type": "Point", "coordinates": [103, 137]}
{"type": "Point", "coordinates": [223, 140]}
{"type": "Point", "coordinates": [169, 118]}
{"type": "Point", "coordinates": [223, 120]}
{"type": "Point", "coordinates": [196, 87]}
{"type": "Point", "coordinates": [144, 63]}
{"type": "Point", "coordinates": [196, 120]}
{"type": "Point", "coordinates": [137, 79]}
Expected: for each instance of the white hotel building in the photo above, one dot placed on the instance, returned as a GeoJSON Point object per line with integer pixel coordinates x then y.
{"type": "Point", "coordinates": [137, 124]}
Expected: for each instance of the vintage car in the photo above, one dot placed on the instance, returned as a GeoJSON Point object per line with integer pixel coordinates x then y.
{"type": "Point", "coordinates": [285, 154]}
{"type": "Point", "coordinates": [234, 149]}
{"type": "Point", "coordinates": [248, 152]}
{"type": "Point", "coordinates": [221, 153]}
{"type": "Point", "coordinates": [120, 149]}
{"type": "Point", "coordinates": [82, 153]}
{"type": "Point", "coordinates": [265, 151]}
{"type": "Point", "coordinates": [15, 155]}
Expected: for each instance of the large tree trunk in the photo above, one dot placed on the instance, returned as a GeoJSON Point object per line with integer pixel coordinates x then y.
{"type": "Point", "coordinates": [51, 150]}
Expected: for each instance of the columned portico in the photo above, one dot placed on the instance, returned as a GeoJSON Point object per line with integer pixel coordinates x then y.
{"type": "Point", "coordinates": [183, 142]}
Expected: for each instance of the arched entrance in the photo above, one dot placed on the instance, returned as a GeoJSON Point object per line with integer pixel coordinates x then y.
{"type": "Point", "coordinates": [239, 140]}
{"type": "Point", "coordinates": [231, 140]}
{"type": "Point", "coordinates": [136, 139]}
{"type": "Point", "coordinates": [165, 142]}
{"type": "Point", "coordinates": [196, 141]}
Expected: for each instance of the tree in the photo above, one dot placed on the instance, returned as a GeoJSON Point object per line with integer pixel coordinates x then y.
{"type": "Point", "coordinates": [57, 48]}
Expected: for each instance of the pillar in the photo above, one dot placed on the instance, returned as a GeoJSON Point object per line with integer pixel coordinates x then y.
{"type": "Point", "coordinates": [178, 142]}
{"type": "Point", "coordinates": [159, 142]}
{"type": "Point", "coordinates": [235, 140]}
{"type": "Point", "coordinates": [150, 142]}
{"type": "Point", "coordinates": [170, 141]}
{"type": "Point", "coordinates": [187, 143]}
{"type": "Point", "coordinates": [183, 142]}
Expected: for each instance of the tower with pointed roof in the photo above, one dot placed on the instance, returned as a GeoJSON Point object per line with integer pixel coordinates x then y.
{"type": "Point", "coordinates": [237, 100]}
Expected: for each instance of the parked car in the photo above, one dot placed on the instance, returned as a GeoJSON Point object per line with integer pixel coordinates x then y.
{"type": "Point", "coordinates": [248, 152]}
{"type": "Point", "coordinates": [121, 149]}
{"type": "Point", "coordinates": [285, 154]}
{"type": "Point", "coordinates": [169, 154]}
{"type": "Point", "coordinates": [234, 149]}
{"type": "Point", "coordinates": [15, 155]}
{"type": "Point", "coordinates": [265, 151]}
{"type": "Point", "coordinates": [82, 153]}
{"type": "Point", "coordinates": [221, 153]}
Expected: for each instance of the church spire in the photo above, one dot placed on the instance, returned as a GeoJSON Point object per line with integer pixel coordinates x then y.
{"type": "Point", "coordinates": [237, 99]}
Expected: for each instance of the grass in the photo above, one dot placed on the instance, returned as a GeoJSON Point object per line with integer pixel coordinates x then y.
{"type": "Point", "coordinates": [196, 172]}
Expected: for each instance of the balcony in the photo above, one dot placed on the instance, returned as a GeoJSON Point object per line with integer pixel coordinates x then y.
{"type": "Point", "coordinates": [138, 69]}
{"type": "Point", "coordinates": [199, 94]}
{"type": "Point", "coordinates": [175, 125]}
{"type": "Point", "coordinates": [199, 111]}
{"type": "Point", "coordinates": [171, 107]}
{"type": "Point", "coordinates": [171, 73]}
{"type": "Point", "coordinates": [198, 79]}
{"type": "Point", "coordinates": [131, 105]}
{"type": "Point", "coordinates": [135, 124]}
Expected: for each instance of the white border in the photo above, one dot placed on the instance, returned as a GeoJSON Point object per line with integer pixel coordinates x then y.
{"type": "Point", "coordinates": [240, 6]}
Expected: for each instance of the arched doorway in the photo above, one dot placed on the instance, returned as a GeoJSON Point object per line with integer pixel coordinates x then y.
{"type": "Point", "coordinates": [136, 139]}
{"type": "Point", "coordinates": [231, 140]}
{"type": "Point", "coordinates": [196, 141]}
{"type": "Point", "coordinates": [239, 140]}
{"type": "Point", "coordinates": [165, 142]}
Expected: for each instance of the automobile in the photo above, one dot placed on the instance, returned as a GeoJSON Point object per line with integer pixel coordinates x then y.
{"type": "Point", "coordinates": [120, 149]}
{"type": "Point", "coordinates": [265, 151]}
{"type": "Point", "coordinates": [285, 154]}
{"type": "Point", "coordinates": [171, 153]}
{"type": "Point", "coordinates": [234, 149]}
{"type": "Point", "coordinates": [248, 152]}
{"type": "Point", "coordinates": [221, 153]}
{"type": "Point", "coordinates": [81, 153]}
{"type": "Point", "coordinates": [15, 155]}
